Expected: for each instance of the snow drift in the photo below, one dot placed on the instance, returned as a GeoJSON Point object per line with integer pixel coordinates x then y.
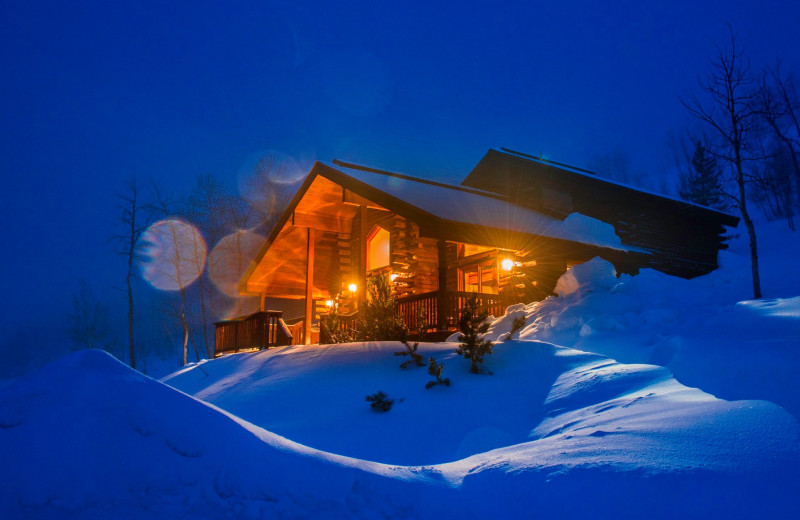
{"type": "Point", "coordinates": [696, 328]}
{"type": "Point", "coordinates": [553, 431]}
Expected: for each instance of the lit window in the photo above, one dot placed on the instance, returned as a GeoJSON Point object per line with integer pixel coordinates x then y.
{"type": "Point", "coordinates": [377, 248]}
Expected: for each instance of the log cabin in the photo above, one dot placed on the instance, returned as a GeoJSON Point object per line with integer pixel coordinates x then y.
{"type": "Point", "coordinates": [507, 233]}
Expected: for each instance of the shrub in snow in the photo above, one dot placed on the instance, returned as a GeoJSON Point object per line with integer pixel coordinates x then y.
{"type": "Point", "coordinates": [380, 402]}
{"type": "Point", "coordinates": [472, 326]}
{"type": "Point", "coordinates": [332, 325]}
{"type": "Point", "coordinates": [378, 320]}
{"type": "Point", "coordinates": [435, 369]}
{"type": "Point", "coordinates": [411, 350]}
{"type": "Point", "coordinates": [416, 359]}
{"type": "Point", "coordinates": [516, 325]}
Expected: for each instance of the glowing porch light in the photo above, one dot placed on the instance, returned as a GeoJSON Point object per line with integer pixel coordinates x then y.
{"type": "Point", "coordinates": [507, 264]}
{"type": "Point", "coordinates": [352, 287]}
{"type": "Point", "coordinates": [393, 276]}
{"type": "Point", "coordinates": [329, 303]}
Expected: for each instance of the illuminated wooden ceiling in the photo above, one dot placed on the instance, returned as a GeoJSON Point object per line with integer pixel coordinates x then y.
{"type": "Point", "coordinates": [281, 272]}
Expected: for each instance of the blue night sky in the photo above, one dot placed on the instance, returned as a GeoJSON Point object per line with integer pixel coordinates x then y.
{"type": "Point", "coordinates": [94, 93]}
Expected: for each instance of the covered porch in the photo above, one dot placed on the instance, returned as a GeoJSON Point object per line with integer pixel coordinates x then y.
{"type": "Point", "coordinates": [265, 329]}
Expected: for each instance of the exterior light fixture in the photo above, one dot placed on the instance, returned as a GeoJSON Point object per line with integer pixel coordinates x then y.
{"type": "Point", "coordinates": [352, 287]}
{"type": "Point", "coordinates": [507, 264]}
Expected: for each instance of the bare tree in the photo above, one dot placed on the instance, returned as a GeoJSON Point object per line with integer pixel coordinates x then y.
{"type": "Point", "coordinates": [778, 107]}
{"type": "Point", "coordinates": [238, 251]}
{"type": "Point", "coordinates": [89, 326]}
{"type": "Point", "coordinates": [180, 261]}
{"type": "Point", "coordinates": [773, 191]}
{"type": "Point", "coordinates": [271, 185]}
{"type": "Point", "coordinates": [728, 113]}
{"type": "Point", "coordinates": [205, 207]}
{"type": "Point", "coordinates": [134, 219]}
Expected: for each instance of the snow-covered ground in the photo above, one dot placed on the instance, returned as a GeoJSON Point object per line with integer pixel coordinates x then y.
{"type": "Point", "coordinates": [706, 331]}
{"type": "Point", "coordinates": [631, 397]}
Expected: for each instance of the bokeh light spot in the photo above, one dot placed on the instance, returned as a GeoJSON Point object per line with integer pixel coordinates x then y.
{"type": "Point", "coordinates": [173, 254]}
{"type": "Point", "coordinates": [231, 257]}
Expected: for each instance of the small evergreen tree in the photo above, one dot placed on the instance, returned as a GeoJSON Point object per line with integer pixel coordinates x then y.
{"type": "Point", "coordinates": [380, 402]}
{"type": "Point", "coordinates": [435, 369]}
{"type": "Point", "coordinates": [411, 350]}
{"type": "Point", "coordinates": [331, 324]}
{"type": "Point", "coordinates": [378, 320]}
{"type": "Point", "coordinates": [516, 325]}
{"type": "Point", "coordinates": [702, 184]}
{"type": "Point", "coordinates": [472, 326]}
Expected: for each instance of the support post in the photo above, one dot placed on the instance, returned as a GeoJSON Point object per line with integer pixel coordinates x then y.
{"type": "Point", "coordinates": [362, 262]}
{"type": "Point", "coordinates": [441, 308]}
{"type": "Point", "coordinates": [309, 287]}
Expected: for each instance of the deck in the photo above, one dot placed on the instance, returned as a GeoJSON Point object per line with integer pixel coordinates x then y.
{"type": "Point", "coordinates": [259, 330]}
{"type": "Point", "coordinates": [441, 311]}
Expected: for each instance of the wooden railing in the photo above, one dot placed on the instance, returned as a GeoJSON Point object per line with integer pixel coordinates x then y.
{"type": "Point", "coordinates": [347, 324]}
{"type": "Point", "coordinates": [296, 327]}
{"type": "Point", "coordinates": [442, 309]}
{"type": "Point", "coordinates": [258, 330]}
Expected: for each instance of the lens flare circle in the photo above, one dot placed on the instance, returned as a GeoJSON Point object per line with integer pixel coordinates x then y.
{"type": "Point", "coordinates": [173, 254]}
{"type": "Point", "coordinates": [231, 257]}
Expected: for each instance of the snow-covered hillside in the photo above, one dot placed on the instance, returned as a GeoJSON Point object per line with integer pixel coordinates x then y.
{"type": "Point", "coordinates": [552, 431]}
{"type": "Point", "coordinates": [630, 397]}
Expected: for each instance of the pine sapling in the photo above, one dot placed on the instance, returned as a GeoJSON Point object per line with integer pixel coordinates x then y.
{"type": "Point", "coordinates": [516, 325]}
{"type": "Point", "coordinates": [435, 369]}
{"type": "Point", "coordinates": [379, 402]}
{"type": "Point", "coordinates": [411, 350]}
{"type": "Point", "coordinates": [472, 326]}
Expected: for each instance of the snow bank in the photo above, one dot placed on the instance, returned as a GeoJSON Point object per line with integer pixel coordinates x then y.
{"type": "Point", "coordinates": [575, 434]}
{"type": "Point", "coordinates": [704, 330]}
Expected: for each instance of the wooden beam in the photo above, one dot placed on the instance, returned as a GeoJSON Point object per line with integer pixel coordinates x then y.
{"type": "Point", "coordinates": [332, 223]}
{"type": "Point", "coordinates": [348, 197]}
{"type": "Point", "coordinates": [309, 315]}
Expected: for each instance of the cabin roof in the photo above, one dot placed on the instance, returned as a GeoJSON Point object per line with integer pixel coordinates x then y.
{"type": "Point", "coordinates": [452, 212]}
{"type": "Point", "coordinates": [505, 169]}
{"type": "Point", "coordinates": [463, 205]}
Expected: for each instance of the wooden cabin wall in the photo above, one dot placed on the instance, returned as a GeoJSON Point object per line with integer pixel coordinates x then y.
{"type": "Point", "coordinates": [346, 260]}
{"type": "Point", "coordinates": [415, 259]}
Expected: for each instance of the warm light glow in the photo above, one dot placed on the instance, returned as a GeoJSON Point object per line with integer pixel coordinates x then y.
{"type": "Point", "coordinates": [507, 264]}
{"type": "Point", "coordinates": [393, 276]}
{"type": "Point", "coordinates": [329, 303]}
{"type": "Point", "coordinates": [352, 287]}
{"type": "Point", "coordinates": [377, 248]}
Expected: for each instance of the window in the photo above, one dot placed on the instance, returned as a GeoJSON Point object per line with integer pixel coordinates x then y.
{"type": "Point", "coordinates": [377, 248]}
{"type": "Point", "coordinates": [481, 278]}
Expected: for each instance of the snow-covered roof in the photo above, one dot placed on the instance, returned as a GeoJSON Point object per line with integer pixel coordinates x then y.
{"type": "Point", "coordinates": [592, 176]}
{"type": "Point", "coordinates": [459, 204]}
